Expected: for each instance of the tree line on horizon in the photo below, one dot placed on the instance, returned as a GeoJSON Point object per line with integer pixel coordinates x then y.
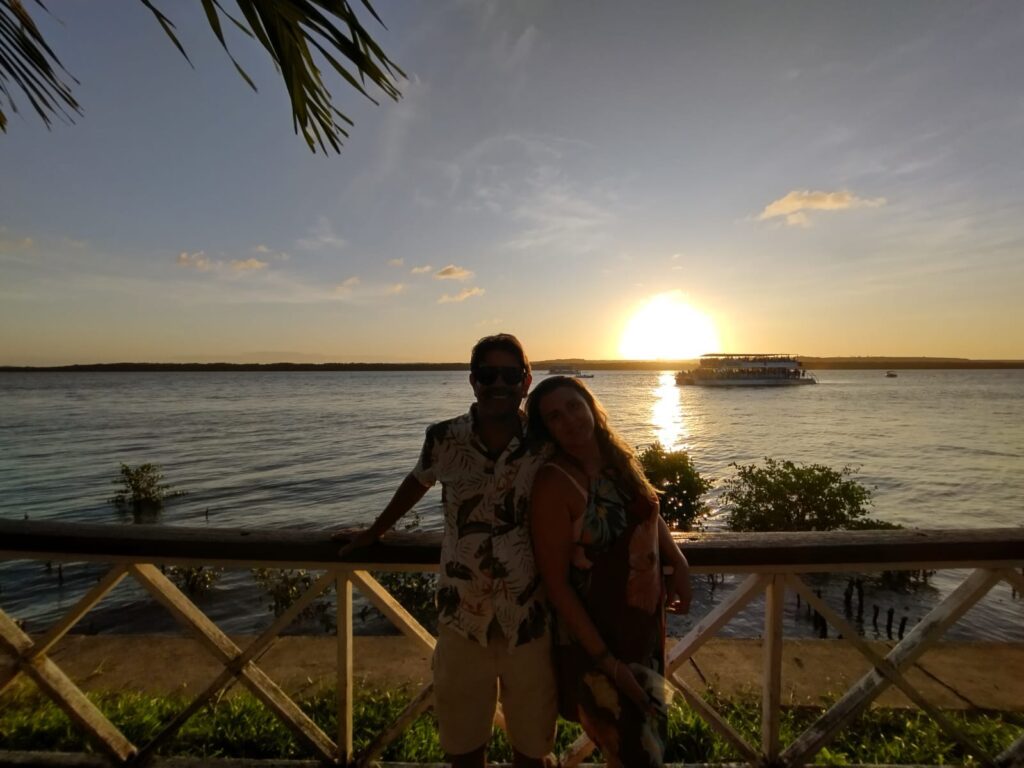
{"type": "Point", "coordinates": [539, 366]}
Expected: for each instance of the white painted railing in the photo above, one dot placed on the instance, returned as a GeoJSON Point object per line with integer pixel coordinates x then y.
{"type": "Point", "coordinates": [771, 564]}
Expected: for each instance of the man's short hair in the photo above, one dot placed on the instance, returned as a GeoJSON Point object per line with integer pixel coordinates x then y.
{"type": "Point", "coordinates": [503, 341]}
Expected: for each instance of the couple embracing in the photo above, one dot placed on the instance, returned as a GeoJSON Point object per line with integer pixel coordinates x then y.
{"type": "Point", "coordinates": [551, 595]}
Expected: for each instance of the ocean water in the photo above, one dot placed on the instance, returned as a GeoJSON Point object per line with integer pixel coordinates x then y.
{"type": "Point", "coordinates": [941, 449]}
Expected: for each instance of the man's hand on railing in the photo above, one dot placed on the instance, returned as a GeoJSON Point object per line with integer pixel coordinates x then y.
{"type": "Point", "coordinates": [354, 540]}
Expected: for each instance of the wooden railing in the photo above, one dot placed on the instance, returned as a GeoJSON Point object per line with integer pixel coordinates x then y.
{"type": "Point", "coordinates": [770, 564]}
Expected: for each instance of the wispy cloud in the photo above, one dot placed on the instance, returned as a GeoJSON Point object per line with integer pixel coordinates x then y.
{"type": "Point", "coordinates": [395, 289]}
{"type": "Point", "coordinates": [346, 285]}
{"type": "Point", "coordinates": [321, 237]}
{"type": "Point", "coordinates": [533, 183]}
{"type": "Point", "coordinates": [246, 265]}
{"type": "Point", "coordinates": [421, 270]}
{"type": "Point", "coordinates": [510, 54]}
{"type": "Point", "coordinates": [465, 293]}
{"type": "Point", "coordinates": [200, 262]}
{"type": "Point", "coordinates": [195, 260]}
{"type": "Point", "coordinates": [793, 207]}
{"type": "Point", "coordinates": [266, 250]}
{"type": "Point", "coordinates": [396, 262]}
{"type": "Point", "coordinates": [452, 272]}
{"type": "Point", "coordinates": [397, 124]}
{"type": "Point", "coordinates": [19, 244]}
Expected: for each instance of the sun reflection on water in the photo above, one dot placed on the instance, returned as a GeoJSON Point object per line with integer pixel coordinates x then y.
{"type": "Point", "coordinates": [667, 415]}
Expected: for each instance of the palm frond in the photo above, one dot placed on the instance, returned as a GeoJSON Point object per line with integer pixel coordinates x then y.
{"type": "Point", "coordinates": [27, 62]}
{"type": "Point", "coordinates": [289, 30]}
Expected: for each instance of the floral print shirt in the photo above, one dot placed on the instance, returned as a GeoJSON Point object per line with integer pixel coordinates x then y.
{"type": "Point", "coordinates": [487, 567]}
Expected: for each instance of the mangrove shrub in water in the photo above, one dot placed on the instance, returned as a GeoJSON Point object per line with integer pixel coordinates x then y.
{"type": "Point", "coordinates": [786, 496]}
{"type": "Point", "coordinates": [679, 484]}
{"type": "Point", "coordinates": [141, 489]}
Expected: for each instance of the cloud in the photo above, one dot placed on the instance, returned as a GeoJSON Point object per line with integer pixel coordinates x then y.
{"type": "Point", "coordinates": [421, 270]}
{"type": "Point", "coordinates": [200, 262]}
{"type": "Point", "coordinates": [465, 293]}
{"type": "Point", "coordinates": [195, 260]}
{"type": "Point", "coordinates": [452, 272]}
{"type": "Point", "coordinates": [536, 191]}
{"type": "Point", "coordinates": [322, 237]}
{"type": "Point", "coordinates": [247, 265]}
{"type": "Point", "coordinates": [395, 289]}
{"type": "Point", "coordinates": [396, 262]}
{"type": "Point", "coordinates": [23, 244]}
{"type": "Point", "coordinates": [793, 206]}
{"type": "Point", "coordinates": [346, 285]}
{"type": "Point", "coordinates": [265, 250]}
{"type": "Point", "coordinates": [509, 55]}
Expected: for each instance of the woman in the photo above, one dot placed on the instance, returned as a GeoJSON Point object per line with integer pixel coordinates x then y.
{"type": "Point", "coordinates": [600, 543]}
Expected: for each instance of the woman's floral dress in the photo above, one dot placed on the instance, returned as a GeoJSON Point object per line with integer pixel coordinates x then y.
{"type": "Point", "coordinates": [616, 572]}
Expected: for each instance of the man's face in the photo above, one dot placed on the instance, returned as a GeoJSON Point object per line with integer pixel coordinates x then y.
{"type": "Point", "coordinates": [498, 393]}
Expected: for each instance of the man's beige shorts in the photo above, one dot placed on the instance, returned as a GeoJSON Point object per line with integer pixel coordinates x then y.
{"type": "Point", "coordinates": [466, 687]}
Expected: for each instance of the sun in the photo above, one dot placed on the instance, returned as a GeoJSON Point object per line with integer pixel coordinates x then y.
{"type": "Point", "coordinates": [666, 327]}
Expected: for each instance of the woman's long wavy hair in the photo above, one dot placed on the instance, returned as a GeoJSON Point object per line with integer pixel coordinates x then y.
{"type": "Point", "coordinates": [613, 448]}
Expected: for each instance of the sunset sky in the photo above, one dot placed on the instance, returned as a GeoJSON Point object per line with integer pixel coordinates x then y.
{"type": "Point", "coordinates": [603, 179]}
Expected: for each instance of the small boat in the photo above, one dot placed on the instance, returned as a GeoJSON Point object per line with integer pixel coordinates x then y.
{"type": "Point", "coordinates": [890, 374]}
{"type": "Point", "coordinates": [747, 370]}
{"type": "Point", "coordinates": [576, 373]}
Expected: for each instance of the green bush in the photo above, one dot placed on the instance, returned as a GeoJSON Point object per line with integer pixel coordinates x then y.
{"type": "Point", "coordinates": [415, 591]}
{"type": "Point", "coordinates": [141, 489]}
{"type": "Point", "coordinates": [239, 726]}
{"type": "Point", "coordinates": [785, 496]}
{"type": "Point", "coordinates": [193, 579]}
{"type": "Point", "coordinates": [679, 484]}
{"type": "Point", "coordinates": [284, 586]}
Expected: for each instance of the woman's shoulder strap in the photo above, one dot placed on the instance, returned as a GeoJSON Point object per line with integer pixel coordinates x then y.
{"type": "Point", "coordinates": [572, 479]}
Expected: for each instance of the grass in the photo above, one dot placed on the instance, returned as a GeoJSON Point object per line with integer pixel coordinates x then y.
{"type": "Point", "coordinates": [240, 726]}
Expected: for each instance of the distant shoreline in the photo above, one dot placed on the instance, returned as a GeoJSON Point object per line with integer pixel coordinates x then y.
{"type": "Point", "coordinates": [811, 363]}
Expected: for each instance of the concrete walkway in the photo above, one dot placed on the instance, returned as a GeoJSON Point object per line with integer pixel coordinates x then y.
{"type": "Point", "coordinates": [953, 675]}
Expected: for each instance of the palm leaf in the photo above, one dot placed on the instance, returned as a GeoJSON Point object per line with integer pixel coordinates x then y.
{"type": "Point", "coordinates": [27, 62]}
{"type": "Point", "coordinates": [288, 30]}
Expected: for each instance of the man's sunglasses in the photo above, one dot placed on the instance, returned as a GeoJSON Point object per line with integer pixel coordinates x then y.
{"type": "Point", "coordinates": [510, 374]}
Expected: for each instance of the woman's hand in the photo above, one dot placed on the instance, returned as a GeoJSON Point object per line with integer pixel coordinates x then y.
{"type": "Point", "coordinates": [626, 682]}
{"type": "Point", "coordinates": [678, 593]}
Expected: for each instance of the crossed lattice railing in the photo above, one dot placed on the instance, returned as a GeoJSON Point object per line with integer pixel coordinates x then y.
{"type": "Point", "coordinates": [772, 563]}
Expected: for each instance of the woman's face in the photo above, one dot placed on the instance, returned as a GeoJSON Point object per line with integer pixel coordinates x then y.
{"type": "Point", "coordinates": [567, 417]}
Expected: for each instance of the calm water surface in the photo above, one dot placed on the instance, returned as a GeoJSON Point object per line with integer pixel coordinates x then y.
{"type": "Point", "coordinates": [327, 449]}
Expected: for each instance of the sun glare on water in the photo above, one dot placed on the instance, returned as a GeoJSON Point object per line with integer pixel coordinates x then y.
{"type": "Point", "coordinates": [666, 327]}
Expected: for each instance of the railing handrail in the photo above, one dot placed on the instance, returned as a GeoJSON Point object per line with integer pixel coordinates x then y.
{"type": "Point", "coordinates": [831, 550]}
{"type": "Point", "coordinates": [773, 564]}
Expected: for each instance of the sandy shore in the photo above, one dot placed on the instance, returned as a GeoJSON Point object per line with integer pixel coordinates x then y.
{"type": "Point", "coordinates": [952, 675]}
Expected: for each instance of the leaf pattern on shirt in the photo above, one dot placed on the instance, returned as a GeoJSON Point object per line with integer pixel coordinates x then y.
{"type": "Point", "coordinates": [506, 515]}
{"type": "Point", "coordinates": [447, 601]}
{"type": "Point", "coordinates": [457, 570]}
{"type": "Point", "coordinates": [487, 568]}
{"type": "Point", "coordinates": [466, 509]}
{"type": "Point", "coordinates": [529, 591]}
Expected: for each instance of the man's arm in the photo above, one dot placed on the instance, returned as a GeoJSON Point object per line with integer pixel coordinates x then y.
{"type": "Point", "coordinates": [409, 492]}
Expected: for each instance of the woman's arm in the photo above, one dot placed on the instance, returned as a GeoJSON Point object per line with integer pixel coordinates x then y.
{"type": "Point", "coordinates": [552, 503]}
{"type": "Point", "coordinates": [678, 583]}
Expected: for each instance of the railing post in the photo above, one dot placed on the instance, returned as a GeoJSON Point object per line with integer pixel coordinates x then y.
{"type": "Point", "coordinates": [771, 693]}
{"type": "Point", "coordinates": [344, 587]}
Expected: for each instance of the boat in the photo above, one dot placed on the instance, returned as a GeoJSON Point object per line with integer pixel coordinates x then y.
{"type": "Point", "coordinates": [890, 374]}
{"type": "Point", "coordinates": [562, 370]}
{"type": "Point", "coordinates": [747, 370]}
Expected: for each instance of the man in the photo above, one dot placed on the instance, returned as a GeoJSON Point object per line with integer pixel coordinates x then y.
{"type": "Point", "coordinates": [493, 627]}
